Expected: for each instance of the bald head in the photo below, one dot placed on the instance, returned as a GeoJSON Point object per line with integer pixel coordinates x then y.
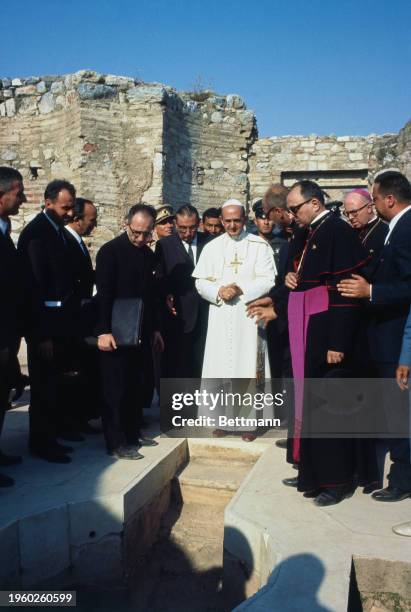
{"type": "Point", "coordinates": [233, 219]}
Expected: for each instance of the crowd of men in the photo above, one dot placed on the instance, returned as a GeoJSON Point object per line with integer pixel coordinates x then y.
{"type": "Point", "coordinates": [330, 294]}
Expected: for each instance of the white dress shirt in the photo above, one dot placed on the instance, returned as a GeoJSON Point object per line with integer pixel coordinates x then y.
{"type": "Point", "coordinates": [77, 237]}
{"type": "Point", "coordinates": [394, 222]}
{"type": "Point", "coordinates": [193, 246]}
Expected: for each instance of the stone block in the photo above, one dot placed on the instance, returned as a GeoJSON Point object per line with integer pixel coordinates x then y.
{"type": "Point", "coordinates": [215, 164]}
{"type": "Point", "coordinates": [8, 93]}
{"type": "Point", "coordinates": [98, 563]}
{"type": "Point", "coordinates": [355, 156]}
{"type": "Point", "coordinates": [6, 82]}
{"type": "Point", "coordinates": [27, 90]}
{"type": "Point", "coordinates": [16, 83]}
{"type": "Point", "coordinates": [44, 545]}
{"type": "Point", "coordinates": [28, 105]}
{"type": "Point", "coordinates": [235, 101]}
{"type": "Point", "coordinates": [9, 155]}
{"type": "Point", "coordinates": [246, 117]}
{"type": "Point", "coordinates": [10, 566]}
{"type": "Point", "coordinates": [10, 107]}
{"type": "Point", "coordinates": [47, 103]}
{"type": "Point", "coordinates": [122, 82]}
{"type": "Point", "coordinates": [2, 110]}
{"type": "Point", "coordinates": [57, 87]}
{"type": "Point", "coordinates": [90, 521]}
{"type": "Point", "coordinates": [31, 80]}
{"type": "Point", "coordinates": [149, 94]}
{"type": "Point", "coordinates": [41, 87]}
{"type": "Point", "coordinates": [91, 91]}
{"type": "Point", "coordinates": [216, 117]}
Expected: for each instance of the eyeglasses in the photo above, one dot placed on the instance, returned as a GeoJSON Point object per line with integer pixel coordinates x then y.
{"type": "Point", "coordinates": [353, 213]}
{"type": "Point", "coordinates": [138, 233]}
{"type": "Point", "coordinates": [293, 210]}
{"type": "Point", "coordinates": [183, 230]}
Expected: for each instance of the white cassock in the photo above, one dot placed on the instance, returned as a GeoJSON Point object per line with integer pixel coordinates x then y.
{"type": "Point", "coordinates": [233, 345]}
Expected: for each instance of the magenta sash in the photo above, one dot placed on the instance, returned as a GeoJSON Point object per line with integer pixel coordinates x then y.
{"type": "Point", "coordinates": [301, 305]}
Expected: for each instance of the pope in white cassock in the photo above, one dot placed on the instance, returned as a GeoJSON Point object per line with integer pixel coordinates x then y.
{"type": "Point", "coordinates": [234, 269]}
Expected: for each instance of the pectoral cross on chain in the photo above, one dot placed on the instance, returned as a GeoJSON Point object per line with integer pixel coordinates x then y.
{"type": "Point", "coordinates": [235, 263]}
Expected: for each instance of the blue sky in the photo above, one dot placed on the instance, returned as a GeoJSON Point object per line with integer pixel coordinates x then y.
{"type": "Point", "coordinates": [304, 66]}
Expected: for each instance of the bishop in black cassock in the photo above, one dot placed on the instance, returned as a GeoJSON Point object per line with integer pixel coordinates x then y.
{"type": "Point", "coordinates": [322, 328]}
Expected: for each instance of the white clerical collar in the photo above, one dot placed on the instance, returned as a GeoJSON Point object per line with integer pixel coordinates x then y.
{"type": "Point", "coordinates": [74, 233]}
{"type": "Point", "coordinates": [394, 222]}
{"type": "Point", "coordinates": [56, 227]}
{"type": "Point", "coordinates": [320, 216]}
{"type": "Point", "coordinates": [4, 226]}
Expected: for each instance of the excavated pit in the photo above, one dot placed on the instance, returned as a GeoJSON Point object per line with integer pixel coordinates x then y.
{"type": "Point", "coordinates": [184, 569]}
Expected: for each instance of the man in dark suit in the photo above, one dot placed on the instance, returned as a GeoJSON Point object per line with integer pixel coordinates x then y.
{"type": "Point", "coordinates": [125, 269]}
{"type": "Point", "coordinates": [388, 290]}
{"type": "Point", "coordinates": [43, 246]}
{"type": "Point", "coordinates": [84, 392]}
{"type": "Point", "coordinates": [185, 320]}
{"type": "Point", "coordinates": [11, 295]}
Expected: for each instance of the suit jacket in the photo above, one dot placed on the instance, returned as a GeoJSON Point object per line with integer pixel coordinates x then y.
{"type": "Point", "coordinates": [174, 269]}
{"type": "Point", "coordinates": [45, 257]}
{"type": "Point", "coordinates": [391, 293]}
{"type": "Point", "coordinates": [82, 268]}
{"type": "Point", "coordinates": [84, 279]}
{"type": "Point", "coordinates": [12, 292]}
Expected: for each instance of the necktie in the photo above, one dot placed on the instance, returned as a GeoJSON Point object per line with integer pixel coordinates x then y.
{"type": "Point", "coordinates": [83, 246]}
{"type": "Point", "coordinates": [191, 253]}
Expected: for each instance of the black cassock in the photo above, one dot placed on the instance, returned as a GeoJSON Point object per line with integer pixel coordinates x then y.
{"type": "Point", "coordinates": [125, 271]}
{"type": "Point", "coordinates": [320, 319]}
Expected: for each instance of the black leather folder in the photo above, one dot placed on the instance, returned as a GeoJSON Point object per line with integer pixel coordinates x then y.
{"type": "Point", "coordinates": [126, 320]}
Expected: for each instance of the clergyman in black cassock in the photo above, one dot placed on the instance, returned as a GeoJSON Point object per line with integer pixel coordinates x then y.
{"type": "Point", "coordinates": [124, 270]}
{"type": "Point", "coordinates": [322, 328]}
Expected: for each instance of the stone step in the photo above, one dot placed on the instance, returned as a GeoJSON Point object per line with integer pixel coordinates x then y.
{"type": "Point", "coordinates": [214, 474]}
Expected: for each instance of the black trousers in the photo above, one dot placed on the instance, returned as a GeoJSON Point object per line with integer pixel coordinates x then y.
{"type": "Point", "coordinates": [184, 351]}
{"type": "Point", "coordinates": [46, 413]}
{"type": "Point", "coordinates": [394, 400]}
{"type": "Point", "coordinates": [7, 358]}
{"type": "Point", "coordinates": [122, 377]}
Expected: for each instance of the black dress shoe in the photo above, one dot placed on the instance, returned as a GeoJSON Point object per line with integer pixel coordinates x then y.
{"type": "Point", "coordinates": [52, 456]}
{"type": "Point", "coordinates": [281, 443]}
{"type": "Point", "coordinates": [291, 482]}
{"type": "Point", "coordinates": [6, 481]}
{"type": "Point", "coordinates": [371, 486]}
{"type": "Point", "coordinates": [126, 452]}
{"type": "Point", "coordinates": [333, 495]}
{"type": "Point", "coordinates": [147, 442]}
{"type": "Point", "coordinates": [71, 436]}
{"type": "Point", "coordinates": [7, 460]}
{"type": "Point", "coordinates": [60, 448]}
{"type": "Point", "coordinates": [390, 494]}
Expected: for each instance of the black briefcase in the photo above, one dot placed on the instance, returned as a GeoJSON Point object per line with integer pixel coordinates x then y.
{"type": "Point", "coordinates": [126, 320]}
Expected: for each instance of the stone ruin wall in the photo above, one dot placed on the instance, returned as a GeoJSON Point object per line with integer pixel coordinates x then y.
{"type": "Point", "coordinates": [121, 141]}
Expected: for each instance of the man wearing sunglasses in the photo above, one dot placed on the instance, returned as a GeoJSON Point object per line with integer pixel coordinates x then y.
{"type": "Point", "coordinates": [322, 328]}
{"type": "Point", "coordinates": [359, 211]}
